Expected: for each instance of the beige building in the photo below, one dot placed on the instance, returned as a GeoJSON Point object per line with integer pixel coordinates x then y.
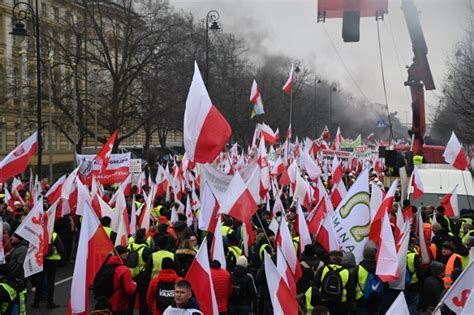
{"type": "Point", "coordinates": [18, 91]}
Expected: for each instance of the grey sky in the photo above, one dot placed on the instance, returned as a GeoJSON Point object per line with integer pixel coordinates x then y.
{"type": "Point", "coordinates": [290, 27]}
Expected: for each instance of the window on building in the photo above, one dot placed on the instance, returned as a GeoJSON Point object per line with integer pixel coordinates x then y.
{"type": "Point", "coordinates": [56, 13]}
{"type": "Point", "coordinates": [17, 134]}
{"type": "Point", "coordinates": [54, 141]}
{"type": "Point", "coordinates": [44, 9]}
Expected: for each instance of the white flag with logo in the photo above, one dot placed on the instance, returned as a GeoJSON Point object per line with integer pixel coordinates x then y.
{"type": "Point", "coordinates": [457, 296]}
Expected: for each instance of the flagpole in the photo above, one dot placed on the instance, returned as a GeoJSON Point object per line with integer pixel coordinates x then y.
{"type": "Point", "coordinates": [291, 108]}
{"type": "Point", "coordinates": [467, 193]}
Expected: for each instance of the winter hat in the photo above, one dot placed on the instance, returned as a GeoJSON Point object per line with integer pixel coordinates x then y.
{"type": "Point", "coordinates": [448, 245]}
{"type": "Point", "coordinates": [470, 239]}
{"type": "Point", "coordinates": [348, 260]}
{"type": "Point", "coordinates": [437, 268]}
{"type": "Point", "coordinates": [309, 250]}
{"type": "Point", "coordinates": [167, 263]}
{"type": "Point", "coordinates": [436, 227]}
{"type": "Point", "coordinates": [6, 227]}
{"type": "Point", "coordinates": [370, 251]}
{"type": "Point", "coordinates": [120, 249]}
{"type": "Point", "coordinates": [242, 262]}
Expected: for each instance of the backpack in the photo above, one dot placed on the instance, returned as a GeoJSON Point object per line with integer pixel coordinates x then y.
{"type": "Point", "coordinates": [331, 285]}
{"type": "Point", "coordinates": [104, 281]}
{"type": "Point", "coordinates": [133, 256]}
{"type": "Point", "coordinates": [164, 295]}
{"type": "Point", "coordinates": [373, 287]}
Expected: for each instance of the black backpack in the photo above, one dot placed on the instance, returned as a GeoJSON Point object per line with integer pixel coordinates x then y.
{"type": "Point", "coordinates": [331, 285]}
{"type": "Point", "coordinates": [132, 258]}
{"type": "Point", "coordinates": [164, 295]}
{"type": "Point", "coordinates": [104, 281]}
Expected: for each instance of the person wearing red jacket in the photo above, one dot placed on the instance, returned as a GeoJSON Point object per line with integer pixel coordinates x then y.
{"type": "Point", "coordinates": [222, 283]}
{"type": "Point", "coordinates": [164, 283]}
{"type": "Point", "coordinates": [124, 286]}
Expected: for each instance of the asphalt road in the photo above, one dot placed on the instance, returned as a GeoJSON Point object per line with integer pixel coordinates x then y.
{"type": "Point", "coordinates": [62, 291]}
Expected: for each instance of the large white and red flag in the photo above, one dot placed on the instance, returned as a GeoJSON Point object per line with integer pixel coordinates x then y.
{"type": "Point", "coordinates": [256, 100]}
{"type": "Point", "coordinates": [54, 192]}
{"type": "Point", "coordinates": [339, 191]}
{"type": "Point", "coordinates": [457, 296]}
{"type": "Point", "coordinates": [262, 161]}
{"type": "Point", "coordinates": [337, 140]}
{"type": "Point", "coordinates": [17, 160]}
{"type": "Point", "coordinates": [205, 130]}
{"type": "Point", "coordinates": [450, 203]}
{"type": "Point", "coordinates": [238, 201]}
{"type": "Point", "coordinates": [217, 249]}
{"type": "Point", "coordinates": [385, 207]}
{"type": "Point", "coordinates": [207, 219]}
{"type": "Point", "coordinates": [289, 82]}
{"type": "Point", "coordinates": [416, 184]}
{"type": "Point", "coordinates": [313, 170]}
{"type": "Point", "coordinates": [267, 133]}
{"type": "Point", "coordinates": [103, 156]}
{"type": "Point", "coordinates": [387, 259]}
{"type": "Point", "coordinates": [93, 248]}
{"type": "Point", "coordinates": [285, 242]}
{"type": "Point", "coordinates": [454, 153]}
{"type": "Point", "coordinates": [199, 275]}
{"type": "Point", "coordinates": [302, 227]}
{"type": "Point", "coordinates": [336, 170]}
{"type": "Point", "coordinates": [303, 191]}
{"type": "Point", "coordinates": [280, 293]}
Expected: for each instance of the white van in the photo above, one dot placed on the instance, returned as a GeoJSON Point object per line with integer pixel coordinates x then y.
{"type": "Point", "coordinates": [439, 180]}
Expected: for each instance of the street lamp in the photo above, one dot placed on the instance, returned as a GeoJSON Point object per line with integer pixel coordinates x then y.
{"type": "Point", "coordinates": [332, 88]}
{"type": "Point", "coordinates": [20, 12]}
{"type": "Point", "coordinates": [211, 18]}
{"type": "Point", "coordinates": [295, 65]}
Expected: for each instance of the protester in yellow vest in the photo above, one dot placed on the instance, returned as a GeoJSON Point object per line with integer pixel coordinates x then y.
{"type": "Point", "coordinates": [105, 222]}
{"type": "Point", "coordinates": [153, 265]}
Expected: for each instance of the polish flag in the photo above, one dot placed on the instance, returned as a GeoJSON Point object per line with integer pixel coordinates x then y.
{"type": "Point", "coordinates": [337, 140]}
{"type": "Point", "coordinates": [238, 201]}
{"type": "Point", "coordinates": [316, 217]}
{"type": "Point", "coordinates": [280, 293]}
{"type": "Point", "coordinates": [450, 203]}
{"type": "Point", "coordinates": [189, 212]}
{"type": "Point", "coordinates": [54, 192]}
{"type": "Point", "coordinates": [16, 187]}
{"type": "Point", "coordinates": [205, 130]}
{"type": "Point", "coordinates": [127, 185]}
{"type": "Point", "coordinates": [17, 160]}
{"type": "Point", "coordinates": [145, 215]}
{"type": "Point", "coordinates": [313, 170]}
{"type": "Point", "coordinates": [416, 184]}
{"type": "Point", "coordinates": [267, 133]}
{"type": "Point", "coordinates": [319, 191]}
{"type": "Point", "coordinates": [103, 156]}
{"type": "Point", "coordinates": [385, 207]}
{"type": "Point", "coordinates": [387, 259]}
{"type": "Point", "coordinates": [326, 135]}
{"type": "Point", "coordinates": [207, 219]}
{"type": "Point", "coordinates": [454, 153]}
{"type": "Point", "coordinates": [278, 167]}
{"type": "Point", "coordinates": [262, 161]}
{"type": "Point", "coordinates": [199, 275]}
{"type": "Point", "coordinates": [286, 244]}
{"type": "Point", "coordinates": [336, 170]}
{"type": "Point", "coordinates": [93, 248]}
{"type": "Point", "coordinates": [161, 181]}
{"type": "Point", "coordinates": [302, 228]}
{"type": "Point", "coordinates": [217, 249]}
{"type": "Point", "coordinates": [288, 133]}
{"type": "Point", "coordinates": [133, 217]}
{"type": "Point", "coordinates": [303, 191]}
{"type": "Point", "coordinates": [9, 200]}
{"type": "Point", "coordinates": [289, 82]}
{"type": "Point", "coordinates": [105, 209]}
{"type": "Point", "coordinates": [338, 193]}
{"type": "Point", "coordinates": [256, 99]}
{"type": "Point", "coordinates": [285, 272]}
{"type": "Point", "coordinates": [326, 235]}
{"type": "Point", "coordinates": [277, 134]}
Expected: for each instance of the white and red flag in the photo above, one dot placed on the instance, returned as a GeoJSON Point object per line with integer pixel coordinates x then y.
{"type": "Point", "coordinates": [205, 130]}
{"type": "Point", "coordinates": [199, 275]}
{"type": "Point", "coordinates": [93, 248]}
{"type": "Point", "coordinates": [17, 160]}
{"type": "Point", "coordinates": [262, 161]}
{"type": "Point", "coordinates": [285, 242]}
{"type": "Point", "coordinates": [336, 170]}
{"type": "Point", "coordinates": [326, 135]}
{"type": "Point", "coordinates": [289, 82]}
{"type": "Point", "coordinates": [313, 170]}
{"type": "Point", "coordinates": [256, 100]}
{"type": "Point", "coordinates": [217, 249]}
{"type": "Point", "coordinates": [54, 192]}
{"type": "Point", "coordinates": [456, 298]}
{"type": "Point", "coordinates": [416, 184]}
{"type": "Point", "coordinates": [278, 167]}
{"type": "Point", "coordinates": [450, 203]}
{"type": "Point", "coordinates": [339, 191]}
{"type": "Point", "coordinates": [303, 191]}
{"type": "Point", "coordinates": [207, 219]}
{"type": "Point", "coordinates": [103, 156]}
{"type": "Point", "coordinates": [387, 259]}
{"type": "Point", "coordinates": [337, 140]}
{"type": "Point", "coordinates": [385, 207]}
{"type": "Point", "coordinates": [302, 228]}
{"type": "Point", "coordinates": [454, 153]}
{"type": "Point", "coordinates": [267, 133]}
{"type": "Point", "coordinates": [280, 293]}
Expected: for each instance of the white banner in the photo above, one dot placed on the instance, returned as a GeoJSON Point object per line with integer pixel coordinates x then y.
{"type": "Point", "coordinates": [116, 172]}
{"type": "Point", "coordinates": [351, 220]}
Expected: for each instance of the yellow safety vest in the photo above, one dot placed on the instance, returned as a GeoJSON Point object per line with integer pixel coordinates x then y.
{"type": "Point", "coordinates": [55, 255]}
{"type": "Point", "coordinates": [417, 159]}
{"type": "Point", "coordinates": [262, 250]}
{"type": "Point", "coordinates": [362, 275]}
{"type": "Point", "coordinates": [13, 296]}
{"type": "Point", "coordinates": [226, 230]}
{"type": "Point", "coordinates": [139, 248]}
{"type": "Point", "coordinates": [156, 211]}
{"type": "Point", "coordinates": [296, 244]}
{"type": "Point", "coordinates": [308, 305]}
{"type": "Point", "coordinates": [464, 220]}
{"type": "Point", "coordinates": [236, 251]}
{"type": "Point", "coordinates": [411, 266]}
{"type": "Point", "coordinates": [108, 231]}
{"type": "Point", "coordinates": [157, 258]}
{"type": "Point", "coordinates": [344, 273]}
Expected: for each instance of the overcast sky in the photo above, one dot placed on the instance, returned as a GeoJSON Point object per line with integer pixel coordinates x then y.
{"type": "Point", "coordinates": [290, 27]}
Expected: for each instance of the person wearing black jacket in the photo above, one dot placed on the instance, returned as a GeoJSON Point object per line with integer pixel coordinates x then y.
{"type": "Point", "coordinates": [244, 292]}
{"type": "Point", "coordinates": [310, 264]}
{"type": "Point", "coordinates": [433, 287]}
